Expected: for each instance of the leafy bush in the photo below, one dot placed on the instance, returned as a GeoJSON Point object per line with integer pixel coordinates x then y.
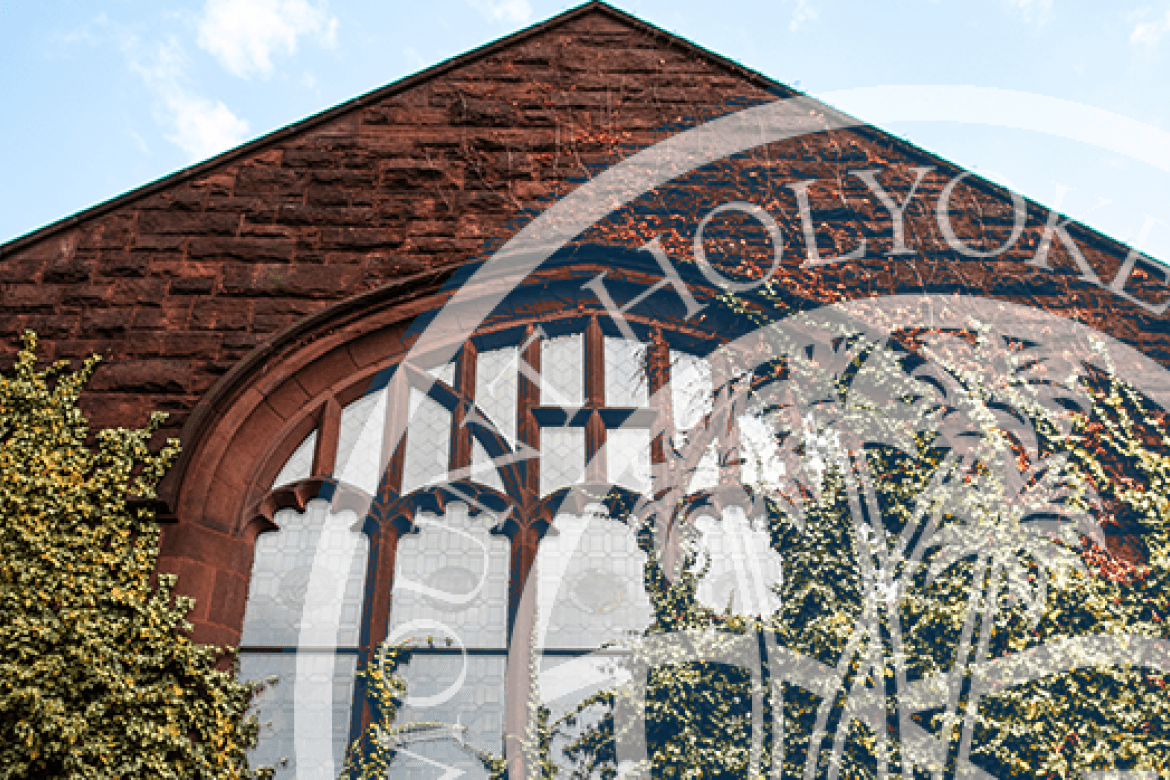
{"type": "Point", "coordinates": [100, 676]}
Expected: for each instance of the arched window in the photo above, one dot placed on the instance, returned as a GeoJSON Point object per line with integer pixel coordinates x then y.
{"type": "Point", "coordinates": [442, 529]}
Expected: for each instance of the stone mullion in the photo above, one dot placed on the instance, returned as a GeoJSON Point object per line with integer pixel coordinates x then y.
{"type": "Point", "coordinates": [521, 624]}
{"type": "Point", "coordinates": [465, 368]}
{"type": "Point", "coordinates": [658, 374]}
{"type": "Point", "coordinates": [376, 609]}
{"type": "Point", "coordinates": [595, 437]}
{"type": "Point", "coordinates": [393, 455]}
{"type": "Point", "coordinates": [527, 431]}
{"type": "Point", "coordinates": [328, 432]}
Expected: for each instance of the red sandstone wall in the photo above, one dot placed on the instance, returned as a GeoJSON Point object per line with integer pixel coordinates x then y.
{"type": "Point", "coordinates": [175, 286]}
{"type": "Point", "coordinates": [177, 283]}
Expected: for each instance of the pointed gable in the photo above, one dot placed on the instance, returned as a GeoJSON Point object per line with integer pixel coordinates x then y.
{"type": "Point", "coordinates": [180, 280]}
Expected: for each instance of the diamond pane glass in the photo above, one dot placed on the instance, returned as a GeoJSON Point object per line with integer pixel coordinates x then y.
{"type": "Point", "coordinates": [359, 446]}
{"type": "Point", "coordinates": [476, 709]}
{"type": "Point", "coordinates": [566, 681]}
{"type": "Point", "coordinates": [590, 574]}
{"type": "Point", "coordinates": [706, 473]}
{"type": "Point", "coordinates": [627, 458]}
{"type": "Point", "coordinates": [428, 443]}
{"type": "Point", "coordinates": [690, 389]}
{"type": "Point", "coordinates": [743, 566]}
{"type": "Point", "coordinates": [305, 715]}
{"type": "Point", "coordinates": [483, 470]}
{"type": "Point", "coordinates": [562, 458]}
{"type": "Point", "coordinates": [307, 581]}
{"type": "Point", "coordinates": [444, 373]}
{"type": "Point", "coordinates": [300, 465]}
{"type": "Point", "coordinates": [760, 451]}
{"type": "Point", "coordinates": [562, 371]}
{"type": "Point", "coordinates": [625, 373]}
{"type": "Point", "coordinates": [453, 576]}
{"type": "Point", "coordinates": [495, 388]}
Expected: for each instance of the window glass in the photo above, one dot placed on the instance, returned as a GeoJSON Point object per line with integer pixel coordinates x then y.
{"type": "Point", "coordinates": [359, 446]}
{"type": "Point", "coordinates": [453, 577]}
{"type": "Point", "coordinates": [589, 589]}
{"type": "Point", "coordinates": [307, 581]}
{"type": "Point", "coordinates": [627, 458]}
{"type": "Point", "coordinates": [444, 373]}
{"type": "Point", "coordinates": [625, 373]}
{"type": "Point", "coordinates": [690, 389]}
{"type": "Point", "coordinates": [428, 443]}
{"type": "Point", "coordinates": [562, 458]}
{"type": "Point", "coordinates": [742, 566]}
{"type": "Point", "coordinates": [483, 470]}
{"type": "Point", "coordinates": [300, 465]}
{"type": "Point", "coordinates": [305, 715]}
{"type": "Point", "coordinates": [495, 389]}
{"type": "Point", "coordinates": [301, 626]}
{"type": "Point", "coordinates": [474, 706]}
{"type": "Point", "coordinates": [562, 371]}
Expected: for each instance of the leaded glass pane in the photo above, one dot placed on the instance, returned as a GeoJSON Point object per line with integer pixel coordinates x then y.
{"type": "Point", "coordinates": [690, 389]}
{"type": "Point", "coordinates": [305, 715]}
{"type": "Point", "coordinates": [625, 373]}
{"type": "Point", "coordinates": [760, 452]}
{"type": "Point", "coordinates": [743, 567]}
{"type": "Point", "coordinates": [428, 443]}
{"type": "Point", "coordinates": [359, 446]}
{"type": "Point", "coordinates": [567, 681]}
{"type": "Point", "coordinates": [706, 473]}
{"type": "Point", "coordinates": [495, 388]}
{"type": "Point", "coordinates": [307, 581]}
{"type": "Point", "coordinates": [628, 458]}
{"type": "Point", "coordinates": [300, 465]}
{"type": "Point", "coordinates": [590, 575]}
{"type": "Point", "coordinates": [475, 708]}
{"type": "Point", "coordinates": [444, 373]}
{"type": "Point", "coordinates": [483, 470]}
{"type": "Point", "coordinates": [453, 576]}
{"type": "Point", "coordinates": [562, 371]}
{"type": "Point", "coordinates": [562, 458]}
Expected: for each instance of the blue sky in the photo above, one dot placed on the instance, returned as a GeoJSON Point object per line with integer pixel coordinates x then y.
{"type": "Point", "coordinates": [101, 97]}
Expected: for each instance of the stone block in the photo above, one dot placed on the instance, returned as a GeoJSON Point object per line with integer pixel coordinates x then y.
{"type": "Point", "coordinates": [87, 294]}
{"type": "Point", "coordinates": [221, 314]}
{"type": "Point", "coordinates": [142, 376]}
{"type": "Point", "coordinates": [30, 297]}
{"type": "Point", "coordinates": [194, 345]}
{"type": "Point", "coordinates": [106, 322]}
{"type": "Point", "coordinates": [142, 292]}
{"type": "Point", "coordinates": [67, 271]}
{"type": "Point", "coordinates": [256, 250]}
{"type": "Point", "coordinates": [192, 285]}
{"type": "Point", "coordinates": [170, 223]}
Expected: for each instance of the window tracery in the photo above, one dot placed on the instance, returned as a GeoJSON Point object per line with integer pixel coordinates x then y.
{"type": "Point", "coordinates": [446, 547]}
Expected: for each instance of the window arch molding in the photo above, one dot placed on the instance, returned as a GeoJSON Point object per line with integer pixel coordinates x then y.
{"type": "Point", "coordinates": [258, 413]}
{"type": "Point", "coordinates": [251, 421]}
{"type": "Point", "coordinates": [230, 488]}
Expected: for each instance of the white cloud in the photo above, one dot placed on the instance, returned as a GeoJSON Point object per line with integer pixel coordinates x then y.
{"type": "Point", "coordinates": [803, 13]}
{"type": "Point", "coordinates": [1149, 34]}
{"type": "Point", "coordinates": [1036, 11]}
{"type": "Point", "coordinates": [244, 35]}
{"type": "Point", "coordinates": [200, 126]}
{"type": "Point", "coordinates": [514, 11]}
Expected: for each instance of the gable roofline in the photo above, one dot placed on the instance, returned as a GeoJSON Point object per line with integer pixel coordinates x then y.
{"type": "Point", "coordinates": [753, 77]}
{"type": "Point", "coordinates": [389, 90]}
